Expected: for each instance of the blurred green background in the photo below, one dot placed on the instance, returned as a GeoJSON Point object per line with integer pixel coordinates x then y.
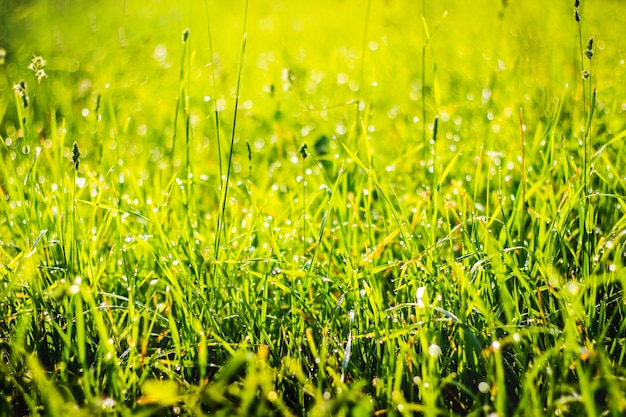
{"type": "Point", "coordinates": [313, 54]}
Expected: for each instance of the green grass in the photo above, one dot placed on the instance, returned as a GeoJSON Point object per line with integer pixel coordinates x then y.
{"type": "Point", "coordinates": [345, 208]}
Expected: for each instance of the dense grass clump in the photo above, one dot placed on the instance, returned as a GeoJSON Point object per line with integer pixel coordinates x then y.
{"type": "Point", "coordinates": [336, 208]}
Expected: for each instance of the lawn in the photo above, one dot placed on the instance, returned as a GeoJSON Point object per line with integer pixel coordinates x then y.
{"type": "Point", "coordinates": [345, 208]}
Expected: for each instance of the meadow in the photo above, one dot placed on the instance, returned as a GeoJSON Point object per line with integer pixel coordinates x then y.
{"type": "Point", "coordinates": [345, 208]}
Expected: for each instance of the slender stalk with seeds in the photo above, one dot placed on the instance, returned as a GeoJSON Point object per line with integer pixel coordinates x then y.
{"type": "Point", "coordinates": [578, 18]}
{"type": "Point", "coordinates": [188, 144]}
{"type": "Point", "coordinates": [73, 252]}
{"type": "Point", "coordinates": [587, 138]}
{"type": "Point", "coordinates": [181, 94]}
{"type": "Point", "coordinates": [585, 235]}
{"type": "Point", "coordinates": [304, 153]}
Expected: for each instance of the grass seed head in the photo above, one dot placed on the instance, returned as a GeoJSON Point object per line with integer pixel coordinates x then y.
{"type": "Point", "coordinates": [20, 90]}
{"type": "Point", "coordinates": [37, 66]}
{"type": "Point", "coordinates": [589, 51]}
{"type": "Point", "coordinates": [303, 151]}
{"type": "Point", "coordinates": [76, 156]}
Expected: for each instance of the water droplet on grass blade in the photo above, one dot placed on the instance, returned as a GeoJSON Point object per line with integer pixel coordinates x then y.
{"type": "Point", "coordinates": [420, 297]}
{"type": "Point", "coordinates": [483, 387]}
{"type": "Point", "coordinates": [434, 350]}
{"type": "Point", "coordinates": [108, 404]}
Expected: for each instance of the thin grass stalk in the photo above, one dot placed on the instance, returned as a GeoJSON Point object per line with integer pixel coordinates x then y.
{"type": "Point", "coordinates": [424, 161]}
{"type": "Point", "coordinates": [188, 142]}
{"type": "Point", "coordinates": [178, 99]}
{"type": "Point", "coordinates": [584, 237]}
{"type": "Point", "coordinates": [588, 247]}
{"type": "Point", "coordinates": [433, 152]}
{"type": "Point", "coordinates": [424, 140]}
{"type": "Point", "coordinates": [522, 219]}
{"type": "Point", "coordinates": [303, 151]}
{"type": "Point", "coordinates": [587, 244]}
{"type": "Point", "coordinates": [578, 19]}
{"type": "Point", "coordinates": [188, 169]}
{"type": "Point", "coordinates": [221, 221]}
{"type": "Point", "coordinates": [217, 122]}
{"type": "Point", "coordinates": [188, 172]}
{"type": "Point", "coordinates": [73, 252]}
{"type": "Point", "coordinates": [434, 196]}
